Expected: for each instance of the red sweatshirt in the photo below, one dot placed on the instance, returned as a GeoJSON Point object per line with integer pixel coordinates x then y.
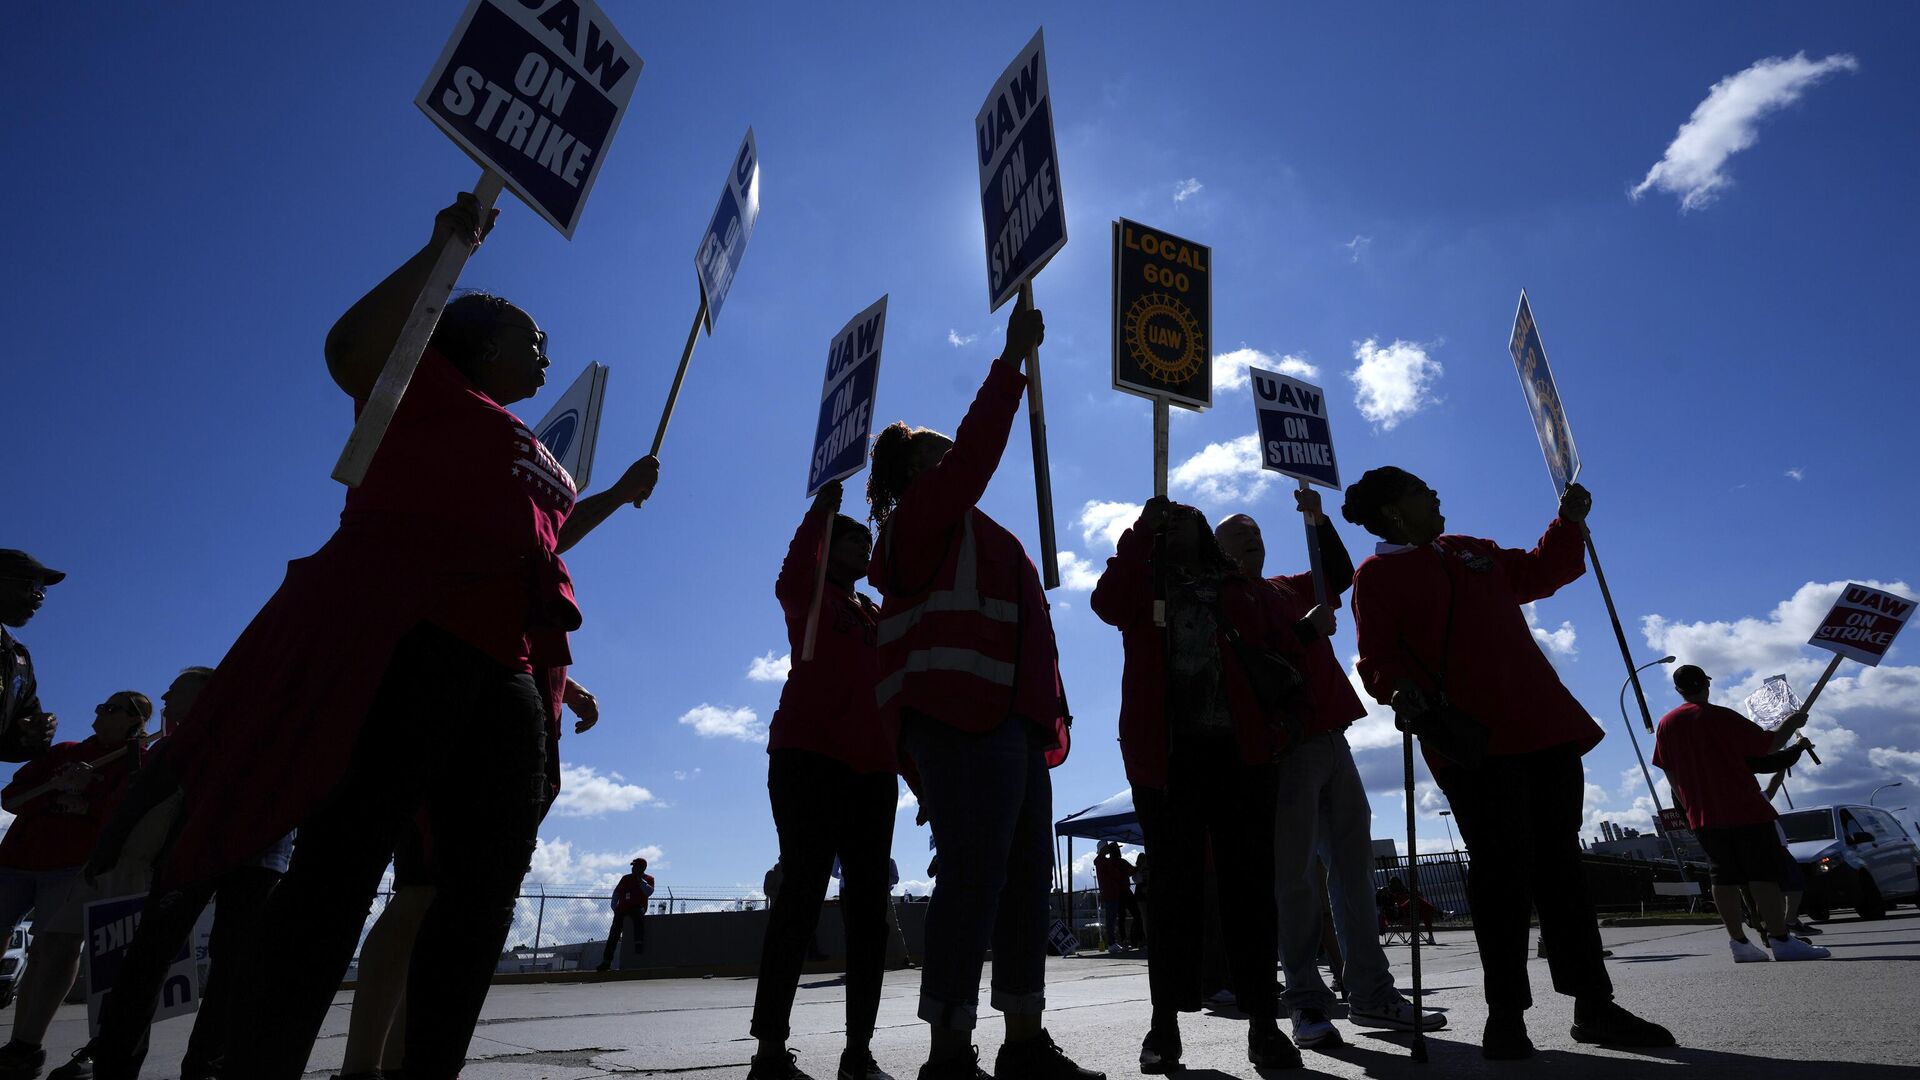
{"type": "Point", "coordinates": [1333, 706]}
{"type": "Point", "coordinates": [1494, 670]}
{"type": "Point", "coordinates": [46, 836]}
{"type": "Point", "coordinates": [827, 705]}
{"type": "Point", "coordinates": [1124, 598]}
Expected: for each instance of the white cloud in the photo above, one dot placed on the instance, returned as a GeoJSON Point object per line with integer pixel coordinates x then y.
{"type": "Point", "coordinates": [1393, 382]}
{"type": "Point", "coordinates": [1796, 473]}
{"type": "Point", "coordinates": [907, 801]}
{"type": "Point", "coordinates": [1230, 368]}
{"type": "Point", "coordinates": [770, 668]}
{"type": "Point", "coordinates": [684, 774]}
{"type": "Point", "coordinates": [959, 340]}
{"type": "Point", "coordinates": [715, 722]}
{"type": "Point", "coordinates": [1357, 247]}
{"type": "Point", "coordinates": [1076, 573]}
{"type": "Point", "coordinates": [1554, 642]}
{"type": "Point", "coordinates": [1694, 166]}
{"type": "Point", "coordinates": [586, 793]}
{"type": "Point", "coordinates": [555, 863]}
{"type": "Point", "coordinates": [1107, 520]}
{"type": "Point", "coordinates": [1186, 189]}
{"type": "Point", "coordinates": [1225, 472]}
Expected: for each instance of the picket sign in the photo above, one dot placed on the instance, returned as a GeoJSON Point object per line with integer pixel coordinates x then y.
{"type": "Point", "coordinates": [844, 429]}
{"type": "Point", "coordinates": [571, 429]}
{"type": "Point", "coordinates": [109, 926]}
{"type": "Point", "coordinates": [1861, 626]}
{"type": "Point", "coordinates": [1026, 225]}
{"type": "Point", "coordinates": [1296, 440]}
{"type": "Point", "coordinates": [532, 90]}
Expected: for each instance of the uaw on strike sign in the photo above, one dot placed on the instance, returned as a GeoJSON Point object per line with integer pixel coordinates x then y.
{"type": "Point", "coordinates": [1296, 438]}
{"type": "Point", "coordinates": [1019, 175]}
{"type": "Point", "coordinates": [1543, 399]}
{"type": "Point", "coordinates": [846, 399]}
{"type": "Point", "coordinates": [1862, 624]}
{"type": "Point", "coordinates": [534, 89]}
{"type": "Point", "coordinates": [725, 242]}
{"type": "Point", "coordinates": [1162, 315]}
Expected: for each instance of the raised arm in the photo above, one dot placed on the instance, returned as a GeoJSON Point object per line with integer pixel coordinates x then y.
{"type": "Point", "coordinates": [794, 587]}
{"type": "Point", "coordinates": [1559, 558]}
{"type": "Point", "coordinates": [633, 487]}
{"type": "Point", "coordinates": [361, 340]}
{"type": "Point", "coordinates": [1124, 594]}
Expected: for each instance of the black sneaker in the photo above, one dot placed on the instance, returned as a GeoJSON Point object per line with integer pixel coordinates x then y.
{"type": "Point", "coordinates": [20, 1061]}
{"type": "Point", "coordinates": [859, 1065]}
{"type": "Point", "coordinates": [1607, 1024]}
{"type": "Point", "coordinates": [1505, 1037]}
{"type": "Point", "coordinates": [1160, 1051]}
{"type": "Point", "coordinates": [1039, 1059]}
{"type": "Point", "coordinates": [78, 1067]}
{"type": "Point", "coordinates": [1267, 1048]}
{"type": "Point", "coordinates": [779, 1067]}
{"type": "Point", "coordinates": [961, 1068]}
{"type": "Point", "coordinates": [1312, 1029]}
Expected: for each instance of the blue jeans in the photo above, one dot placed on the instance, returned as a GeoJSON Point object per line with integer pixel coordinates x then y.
{"type": "Point", "coordinates": [990, 802]}
{"type": "Point", "coordinates": [1323, 809]}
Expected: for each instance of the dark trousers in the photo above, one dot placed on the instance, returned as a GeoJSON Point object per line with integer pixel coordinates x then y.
{"type": "Point", "coordinates": [823, 809]}
{"type": "Point", "coordinates": [1520, 817]}
{"type": "Point", "coordinates": [457, 732]}
{"type": "Point", "coordinates": [165, 926]}
{"type": "Point", "coordinates": [1211, 796]}
{"type": "Point", "coordinates": [636, 916]}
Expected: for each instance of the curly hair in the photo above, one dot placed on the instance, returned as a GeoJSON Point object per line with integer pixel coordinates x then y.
{"type": "Point", "coordinates": [892, 467]}
{"type": "Point", "coordinates": [1368, 497]}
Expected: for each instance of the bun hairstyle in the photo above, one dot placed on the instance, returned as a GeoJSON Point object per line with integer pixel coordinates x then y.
{"type": "Point", "coordinates": [1369, 496]}
{"type": "Point", "coordinates": [892, 467]}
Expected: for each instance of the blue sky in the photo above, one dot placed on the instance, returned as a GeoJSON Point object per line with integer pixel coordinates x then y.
{"type": "Point", "coordinates": [196, 193]}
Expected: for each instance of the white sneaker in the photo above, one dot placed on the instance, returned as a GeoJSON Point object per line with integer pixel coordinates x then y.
{"type": "Point", "coordinates": [1398, 1013]}
{"type": "Point", "coordinates": [1795, 949]}
{"type": "Point", "coordinates": [1746, 952]}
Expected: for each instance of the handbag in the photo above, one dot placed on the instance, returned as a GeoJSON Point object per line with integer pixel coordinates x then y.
{"type": "Point", "coordinates": [1443, 727]}
{"type": "Point", "coordinates": [1276, 685]}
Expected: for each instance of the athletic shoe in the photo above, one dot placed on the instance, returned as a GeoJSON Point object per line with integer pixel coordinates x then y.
{"type": "Point", "coordinates": [1160, 1051]}
{"type": "Point", "coordinates": [781, 1066]}
{"type": "Point", "coordinates": [1746, 952]}
{"type": "Point", "coordinates": [1803, 928]}
{"type": "Point", "coordinates": [1268, 1048]}
{"type": "Point", "coordinates": [1795, 949]}
{"type": "Point", "coordinates": [1312, 1030]}
{"type": "Point", "coordinates": [1113, 950]}
{"type": "Point", "coordinates": [1397, 1013]}
{"type": "Point", "coordinates": [19, 1061]}
{"type": "Point", "coordinates": [1505, 1037]}
{"type": "Point", "coordinates": [1039, 1059]}
{"type": "Point", "coordinates": [78, 1067]}
{"type": "Point", "coordinates": [960, 1068]}
{"type": "Point", "coordinates": [1607, 1024]}
{"type": "Point", "coordinates": [1222, 999]}
{"type": "Point", "coordinates": [859, 1065]}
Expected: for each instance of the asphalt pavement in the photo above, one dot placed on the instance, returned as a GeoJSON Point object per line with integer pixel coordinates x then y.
{"type": "Point", "coordinates": [1855, 1017]}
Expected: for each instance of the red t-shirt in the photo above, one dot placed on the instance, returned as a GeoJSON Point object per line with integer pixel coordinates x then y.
{"type": "Point", "coordinates": [827, 705]}
{"type": "Point", "coordinates": [46, 836]}
{"type": "Point", "coordinates": [1704, 751]}
{"type": "Point", "coordinates": [503, 491]}
{"type": "Point", "coordinates": [1114, 874]}
{"type": "Point", "coordinates": [1333, 706]}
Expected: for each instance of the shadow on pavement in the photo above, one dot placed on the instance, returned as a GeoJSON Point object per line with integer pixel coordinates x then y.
{"type": "Point", "coordinates": [1655, 958]}
{"type": "Point", "coordinates": [1387, 1059]}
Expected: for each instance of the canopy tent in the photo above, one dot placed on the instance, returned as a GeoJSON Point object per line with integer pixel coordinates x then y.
{"type": "Point", "coordinates": [1113, 819]}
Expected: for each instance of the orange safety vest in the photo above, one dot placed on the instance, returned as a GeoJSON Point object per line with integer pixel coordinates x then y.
{"type": "Point", "coordinates": [953, 639]}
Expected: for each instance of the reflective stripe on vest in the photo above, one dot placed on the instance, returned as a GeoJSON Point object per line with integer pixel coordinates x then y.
{"type": "Point", "coordinates": [945, 659]}
{"type": "Point", "coordinates": [963, 597]}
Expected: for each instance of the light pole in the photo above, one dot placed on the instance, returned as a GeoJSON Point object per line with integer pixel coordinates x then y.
{"type": "Point", "coordinates": [1883, 787]}
{"type": "Point", "coordinates": [1672, 847]}
{"type": "Point", "coordinates": [1447, 816]}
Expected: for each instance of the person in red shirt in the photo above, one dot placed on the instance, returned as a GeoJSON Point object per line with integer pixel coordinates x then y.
{"type": "Point", "coordinates": [1322, 809]}
{"type": "Point", "coordinates": [969, 690]}
{"type": "Point", "coordinates": [1199, 745]}
{"type": "Point", "coordinates": [832, 784]}
{"type": "Point", "coordinates": [1710, 754]}
{"type": "Point", "coordinates": [629, 903]}
{"type": "Point", "coordinates": [1438, 618]}
{"type": "Point", "coordinates": [62, 800]}
{"type": "Point", "coordinates": [1113, 875]}
{"type": "Point", "coordinates": [415, 661]}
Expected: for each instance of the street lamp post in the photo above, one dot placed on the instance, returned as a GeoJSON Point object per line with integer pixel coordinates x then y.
{"type": "Point", "coordinates": [1883, 787]}
{"type": "Point", "coordinates": [1672, 847]}
{"type": "Point", "coordinates": [1447, 816]}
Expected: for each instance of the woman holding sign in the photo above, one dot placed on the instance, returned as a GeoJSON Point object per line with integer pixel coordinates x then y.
{"type": "Point", "coordinates": [970, 692]}
{"type": "Point", "coordinates": [832, 782]}
{"type": "Point", "coordinates": [1444, 642]}
{"type": "Point", "coordinates": [414, 663]}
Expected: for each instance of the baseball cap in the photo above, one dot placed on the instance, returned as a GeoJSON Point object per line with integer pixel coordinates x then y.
{"type": "Point", "coordinates": [15, 563]}
{"type": "Point", "coordinates": [1687, 678]}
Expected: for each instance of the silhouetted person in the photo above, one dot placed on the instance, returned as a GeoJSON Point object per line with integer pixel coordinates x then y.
{"type": "Point", "coordinates": [629, 905]}
{"type": "Point", "coordinates": [26, 730]}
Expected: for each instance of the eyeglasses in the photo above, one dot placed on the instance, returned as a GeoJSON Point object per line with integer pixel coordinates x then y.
{"type": "Point", "coordinates": [107, 708]}
{"type": "Point", "coordinates": [539, 337]}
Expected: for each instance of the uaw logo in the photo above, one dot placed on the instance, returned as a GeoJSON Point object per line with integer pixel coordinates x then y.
{"type": "Point", "coordinates": [1163, 337]}
{"type": "Point", "coordinates": [558, 436]}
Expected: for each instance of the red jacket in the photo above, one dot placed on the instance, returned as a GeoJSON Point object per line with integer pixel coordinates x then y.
{"type": "Point", "coordinates": [1331, 703]}
{"type": "Point", "coordinates": [964, 633]}
{"type": "Point", "coordinates": [1124, 598]}
{"type": "Point", "coordinates": [827, 705]}
{"type": "Point", "coordinates": [45, 836]}
{"type": "Point", "coordinates": [1494, 670]}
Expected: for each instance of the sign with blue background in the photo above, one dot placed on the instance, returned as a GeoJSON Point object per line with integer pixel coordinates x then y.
{"type": "Point", "coordinates": [1543, 399]}
{"type": "Point", "coordinates": [534, 89]}
{"type": "Point", "coordinates": [846, 399]}
{"type": "Point", "coordinates": [110, 926]}
{"type": "Point", "coordinates": [1019, 175]}
{"type": "Point", "coordinates": [571, 429]}
{"type": "Point", "coordinates": [1296, 438]}
{"type": "Point", "coordinates": [725, 243]}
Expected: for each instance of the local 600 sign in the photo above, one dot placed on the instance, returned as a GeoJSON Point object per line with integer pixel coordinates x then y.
{"type": "Point", "coordinates": [1019, 175]}
{"type": "Point", "coordinates": [1162, 315]}
{"type": "Point", "coordinates": [533, 89]}
{"type": "Point", "coordinates": [846, 399]}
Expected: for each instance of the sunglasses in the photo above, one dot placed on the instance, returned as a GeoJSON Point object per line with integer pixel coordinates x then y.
{"type": "Point", "coordinates": [107, 708]}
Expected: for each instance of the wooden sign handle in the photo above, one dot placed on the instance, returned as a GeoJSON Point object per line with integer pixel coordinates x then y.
{"type": "Point", "coordinates": [819, 590]}
{"type": "Point", "coordinates": [1042, 475]}
{"type": "Point", "coordinates": [374, 419]}
{"type": "Point", "coordinates": [680, 375]}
